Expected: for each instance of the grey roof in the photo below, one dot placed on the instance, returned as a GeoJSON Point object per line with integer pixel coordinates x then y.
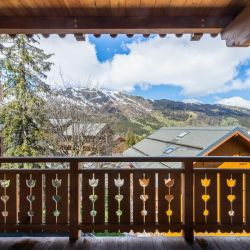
{"type": "Point", "coordinates": [59, 122]}
{"type": "Point", "coordinates": [85, 129]}
{"type": "Point", "coordinates": [196, 141]}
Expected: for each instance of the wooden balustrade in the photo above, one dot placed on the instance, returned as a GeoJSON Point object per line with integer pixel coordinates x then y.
{"type": "Point", "coordinates": [74, 199]}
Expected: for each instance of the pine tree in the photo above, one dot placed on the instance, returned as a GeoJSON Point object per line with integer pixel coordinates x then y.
{"type": "Point", "coordinates": [23, 70]}
{"type": "Point", "coordinates": [131, 139]}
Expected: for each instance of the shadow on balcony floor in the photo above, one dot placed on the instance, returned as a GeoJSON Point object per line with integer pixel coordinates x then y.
{"type": "Point", "coordinates": [123, 243]}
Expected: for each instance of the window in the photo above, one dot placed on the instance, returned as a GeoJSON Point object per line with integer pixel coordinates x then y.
{"type": "Point", "coordinates": [182, 134]}
{"type": "Point", "coordinates": [169, 150]}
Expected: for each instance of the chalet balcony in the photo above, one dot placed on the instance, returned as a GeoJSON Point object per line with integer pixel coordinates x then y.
{"type": "Point", "coordinates": [70, 198]}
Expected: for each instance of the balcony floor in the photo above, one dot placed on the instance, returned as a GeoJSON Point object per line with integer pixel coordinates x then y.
{"type": "Point", "coordinates": [123, 243]}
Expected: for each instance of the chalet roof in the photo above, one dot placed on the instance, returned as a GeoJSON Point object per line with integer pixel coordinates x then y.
{"type": "Point", "coordinates": [229, 18]}
{"type": "Point", "coordinates": [85, 129]}
{"type": "Point", "coordinates": [59, 122]}
{"type": "Point", "coordinates": [180, 141]}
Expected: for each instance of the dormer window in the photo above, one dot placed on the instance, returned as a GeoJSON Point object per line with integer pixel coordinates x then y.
{"type": "Point", "coordinates": [169, 150]}
{"type": "Point", "coordinates": [182, 135]}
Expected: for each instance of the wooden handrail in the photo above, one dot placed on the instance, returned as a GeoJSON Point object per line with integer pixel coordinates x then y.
{"type": "Point", "coordinates": [126, 159]}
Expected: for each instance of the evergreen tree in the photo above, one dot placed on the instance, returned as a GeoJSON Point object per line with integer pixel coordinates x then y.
{"type": "Point", "coordinates": [131, 138]}
{"type": "Point", "coordinates": [23, 70]}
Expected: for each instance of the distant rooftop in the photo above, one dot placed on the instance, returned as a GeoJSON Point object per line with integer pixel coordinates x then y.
{"type": "Point", "coordinates": [59, 122]}
{"type": "Point", "coordinates": [86, 129]}
{"type": "Point", "coordinates": [179, 141]}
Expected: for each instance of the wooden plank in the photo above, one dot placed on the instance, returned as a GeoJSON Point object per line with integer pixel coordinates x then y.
{"type": "Point", "coordinates": [74, 218]}
{"type": "Point", "coordinates": [237, 33]}
{"type": "Point", "coordinates": [173, 193]}
{"type": "Point", "coordinates": [247, 195]}
{"type": "Point", "coordinates": [24, 218]}
{"type": "Point", "coordinates": [2, 220]}
{"type": "Point", "coordinates": [124, 159]}
{"type": "Point", "coordinates": [49, 203]}
{"type": "Point", "coordinates": [99, 204]}
{"type": "Point", "coordinates": [63, 204]}
{"type": "Point", "coordinates": [187, 193]}
{"type": "Point", "coordinates": [196, 36]}
{"type": "Point", "coordinates": [87, 190]}
{"type": "Point", "coordinates": [86, 203]}
{"type": "Point", "coordinates": [115, 24]}
{"type": "Point", "coordinates": [132, 7]}
{"type": "Point", "coordinates": [11, 205]}
{"type": "Point", "coordinates": [113, 203]}
{"type": "Point", "coordinates": [9, 197]}
{"type": "Point", "coordinates": [37, 191]}
{"type": "Point", "coordinates": [211, 204]}
{"type": "Point", "coordinates": [149, 202]}
{"type": "Point", "coordinates": [225, 205]}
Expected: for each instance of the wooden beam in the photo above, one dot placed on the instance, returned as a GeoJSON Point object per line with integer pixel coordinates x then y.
{"type": "Point", "coordinates": [79, 37]}
{"type": "Point", "coordinates": [237, 33]}
{"type": "Point", "coordinates": [196, 36]}
{"type": "Point", "coordinates": [115, 24]}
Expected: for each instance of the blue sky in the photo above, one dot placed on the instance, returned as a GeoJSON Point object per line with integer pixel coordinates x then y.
{"type": "Point", "coordinates": [156, 68]}
{"type": "Point", "coordinates": [107, 48]}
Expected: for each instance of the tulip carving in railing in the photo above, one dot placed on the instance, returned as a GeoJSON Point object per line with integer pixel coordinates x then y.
{"type": "Point", "coordinates": [5, 184]}
{"type": "Point", "coordinates": [56, 183]}
{"type": "Point", "coordinates": [205, 197]}
{"type": "Point", "coordinates": [31, 183]}
{"type": "Point", "coordinates": [169, 183]}
{"type": "Point", "coordinates": [231, 183]}
{"type": "Point", "coordinates": [93, 197]}
{"type": "Point", "coordinates": [144, 197]}
{"type": "Point", "coordinates": [119, 183]}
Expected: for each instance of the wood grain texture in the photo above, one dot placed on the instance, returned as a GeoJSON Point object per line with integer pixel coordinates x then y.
{"type": "Point", "coordinates": [128, 243]}
{"type": "Point", "coordinates": [97, 16]}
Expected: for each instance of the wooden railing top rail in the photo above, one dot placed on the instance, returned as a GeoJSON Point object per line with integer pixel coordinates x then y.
{"type": "Point", "coordinates": [91, 170]}
{"type": "Point", "coordinates": [126, 159]}
{"type": "Point", "coordinates": [222, 170]}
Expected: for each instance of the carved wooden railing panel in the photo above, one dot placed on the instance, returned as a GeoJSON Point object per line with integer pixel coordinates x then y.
{"type": "Point", "coordinates": [231, 204]}
{"type": "Point", "coordinates": [169, 199]}
{"type": "Point", "coordinates": [93, 187]}
{"type": "Point", "coordinates": [31, 199]}
{"type": "Point", "coordinates": [8, 202]}
{"type": "Point", "coordinates": [205, 199]}
{"type": "Point", "coordinates": [222, 200]}
{"type": "Point", "coordinates": [74, 198]}
{"type": "Point", "coordinates": [57, 197]}
{"type": "Point", "coordinates": [144, 198]}
{"type": "Point", "coordinates": [119, 198]}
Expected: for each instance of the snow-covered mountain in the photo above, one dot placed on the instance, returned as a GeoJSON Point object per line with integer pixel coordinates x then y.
{"type": "Point", "coordinates": [123, 110]}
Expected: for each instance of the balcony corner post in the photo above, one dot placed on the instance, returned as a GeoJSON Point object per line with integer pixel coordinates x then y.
{"type": "Point", "coordinates": [74, 218]}
{"type": "Point", "coordinates": [188, 227]}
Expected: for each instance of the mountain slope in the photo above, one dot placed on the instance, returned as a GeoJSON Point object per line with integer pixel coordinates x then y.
{"type": "Point", "coordinates": [123, 111]}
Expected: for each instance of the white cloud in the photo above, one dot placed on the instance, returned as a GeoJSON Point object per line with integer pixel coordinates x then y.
{"type": "Point", "coordinates": [235, 101]}
{"type": "Point", "coordinates": [199, 68]}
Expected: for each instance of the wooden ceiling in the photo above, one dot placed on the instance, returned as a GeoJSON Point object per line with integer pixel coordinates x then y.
{"type": "Point", "coordinates": [231, 18]}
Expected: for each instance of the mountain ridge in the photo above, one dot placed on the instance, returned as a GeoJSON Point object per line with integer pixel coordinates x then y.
{"type": "Point", "coordinates": [124, 111]}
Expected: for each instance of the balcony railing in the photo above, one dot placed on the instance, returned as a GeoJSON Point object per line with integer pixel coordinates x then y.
{"type": "Point", "coordinates": [74, 199]}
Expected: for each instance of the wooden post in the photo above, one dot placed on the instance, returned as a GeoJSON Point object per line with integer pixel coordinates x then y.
{"type": "Point", "coordinates": [188, 198]}
{"type": "Point", "coordinates": [74, 232]}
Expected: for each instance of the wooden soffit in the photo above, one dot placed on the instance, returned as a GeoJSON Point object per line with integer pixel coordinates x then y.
{"type": "Point", "coordinates": [195, 17]}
